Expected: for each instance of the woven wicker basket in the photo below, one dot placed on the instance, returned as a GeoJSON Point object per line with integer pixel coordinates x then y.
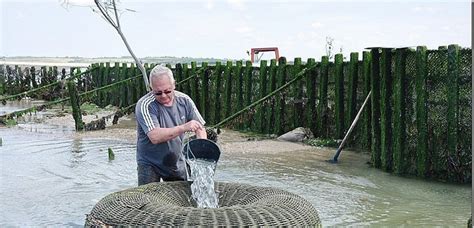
{"type": "Point", "coordinates": [170, 204]}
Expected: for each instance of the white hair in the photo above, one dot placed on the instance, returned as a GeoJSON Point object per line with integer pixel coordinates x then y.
{"type": "Point", "coordinates": [159, 71]}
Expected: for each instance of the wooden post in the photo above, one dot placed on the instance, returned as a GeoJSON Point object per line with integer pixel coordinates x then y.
{"type": "Point", "coordinates": [240, 90]}
{"type": "Point", "coordinates": [228, 89]}
{"type": "Point", "coordinates": [9, 88]}
{"type": "Point", "coordinates": [94, 79]}
{"type": "Point", "coordinates": [57, 88]}
{"type": "Point", "coordinates": [17, 80]}
{"type": "Point", "coordinates": [107, 81]}
{"type": "Point", "coordinates": [352, 88]}
{"type": "Point", "coordinates": [375, 83]}
{"type": "Point", "coordinates": [270, 109]}
{"type": "Point", "coordinates": [50, 77]}
{"type": "Point", "coordinates": [194, 84]}
{"type": "Point", "coordinates": [217, 92]}
{"type": "Point", "coordinates": [399, 113]}
{"type": "Point", "coordinates": [179, 76]}
{"type": "Point", "coordinates": [115, 94]}
{"type": "Point", "coordinates": [78, 70]}
{"type": "Point", "coordinates": [132, 95]}
{"type": "Point", "coordinates": [421, 111]}
{"type": "Point", "coordinates": [322, 116]}
{"type": "Point", "coordinates": [297, 117]}
{"type": "Point", "coordinates": [142, 90]}
{"type": "Point", "coordinates": [23, 85]}
{"type": "Point", "coordinates": [139, 85]}
{"type": "Point", "coordinates": [453, 99]}
{"type": "Point", "coordinates": [310, 107]}
{"type": "Point", "coordinates": [261, 124]}
{"type": "Point", "coordinates": [3, 79]}
{"type": "Point", "coordinates": [248, 94]}
{"type": "Point", "coordinates": [118, 94]}
{"type": "Point", "coordinates": [76, 105]}
{"type": "Point", "coordinates": [367, 113]}
{"type": "Point", "coordinates": [102, 82]}
{"type": "Point", "coordinates": [339, 95]}
{"type": "Point", "coordinates": [33, 77]}
{"type": "Point", "coordinates": [386, 156]}
{"type": "Point", "coordinates": [186, 86]}
{"type": "Point", "coordinates": [63, 73]}
{"type": "Point", "coordinates": [280, 102]}
{"type": "Point", "coordinates": [204, 109]}
{"type": "Point", "coordinates": [44, 77]}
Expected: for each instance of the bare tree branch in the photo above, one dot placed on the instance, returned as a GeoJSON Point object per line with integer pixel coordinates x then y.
{"type": "Point", "coordinates": [106, 7]}
{"type": "Point", "coordinates": [116, 15]}
{"type": "Point", "coordinates": [105, 13]}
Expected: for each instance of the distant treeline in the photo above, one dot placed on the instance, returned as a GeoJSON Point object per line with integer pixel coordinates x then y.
{"type": "Point", "coordinates": [127, 59]}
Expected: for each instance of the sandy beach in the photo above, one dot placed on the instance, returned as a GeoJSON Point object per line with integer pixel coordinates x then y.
{"type": "Point", "coordinates": [229, 140]}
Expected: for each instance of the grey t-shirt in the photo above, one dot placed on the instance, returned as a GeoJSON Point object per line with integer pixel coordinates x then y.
{"type": "Point", "coordinates": [150, 114]}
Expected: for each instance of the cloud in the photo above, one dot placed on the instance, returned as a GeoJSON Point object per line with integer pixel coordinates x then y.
{"type": "Point", "coordinates": [421, 9]}
{"type": "Point", "coordinates": [209, 5]}
{"type": "Point", "coordinates": [317, 25]}
{"type": "Point", "coordinates": [19, 15]}
{"type": "Point", "coordinates": [236, 4]}
{"type": "Point", "coordinates": [244, 29]}
{"type": "Point", "coordinates": [301, 36]}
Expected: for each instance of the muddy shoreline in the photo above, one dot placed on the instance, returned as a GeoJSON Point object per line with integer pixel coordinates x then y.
{"type": "Point", "coordinates": [229, 140]}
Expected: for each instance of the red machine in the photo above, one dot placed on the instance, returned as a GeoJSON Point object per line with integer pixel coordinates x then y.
{"type": "Point", "coordinates": [256, 51]}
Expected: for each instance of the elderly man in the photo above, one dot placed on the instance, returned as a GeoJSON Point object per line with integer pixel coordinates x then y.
{"type": "Point", "coordinates": [163, 116]}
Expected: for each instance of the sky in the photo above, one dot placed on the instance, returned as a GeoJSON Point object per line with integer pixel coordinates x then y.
{"type": "Point", "coordinates": [227, 29]}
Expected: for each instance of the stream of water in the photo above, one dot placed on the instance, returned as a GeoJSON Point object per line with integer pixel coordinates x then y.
{"type": "Point", "coordinates": [51, 178]}
{"type": "Point", "coordinates": [202, 188]}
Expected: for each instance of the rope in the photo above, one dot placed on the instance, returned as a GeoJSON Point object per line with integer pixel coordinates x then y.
{"type": "Point", "coordinates": [296, 78]}
{"type": "Point", "coordinates": [41, 107]}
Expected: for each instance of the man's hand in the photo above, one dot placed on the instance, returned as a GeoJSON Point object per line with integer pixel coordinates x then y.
{"type": "Point", "coordinates": [160, 135]}
{"type": "Point", "coordinates": [193, 126]}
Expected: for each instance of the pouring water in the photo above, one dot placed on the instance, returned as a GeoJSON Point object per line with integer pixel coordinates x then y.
{"type": "Point", "coordinates": [202, 188]}
{"type": "Point", "coordinates": [201, 155]}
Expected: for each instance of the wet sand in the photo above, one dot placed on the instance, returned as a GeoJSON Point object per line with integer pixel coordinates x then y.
{"type": "Point", "coordinates": [230, 141]}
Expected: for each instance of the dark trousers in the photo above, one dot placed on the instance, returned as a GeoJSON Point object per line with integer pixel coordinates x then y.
{"type": "Point", "coordinates": [148, 174]}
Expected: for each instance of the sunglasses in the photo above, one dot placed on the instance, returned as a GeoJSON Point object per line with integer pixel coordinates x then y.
{"type": "Point", "coordinates": [159, 93]}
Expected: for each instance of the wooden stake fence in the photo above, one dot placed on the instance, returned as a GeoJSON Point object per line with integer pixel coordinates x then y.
{"type": "Point", "coordinates": [411, 124]}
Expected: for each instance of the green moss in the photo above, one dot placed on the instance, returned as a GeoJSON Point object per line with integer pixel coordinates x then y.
{"type": "Point", "coordinates": [111, 154]}
{"type": "Point", "coordinates": [89, 108]}
{"type": "Point", "coordinates": [255, 136]}
{"type": "Point", "coordinates": [10, 122]}
{"type": "Point", "coordinates": [320, 142]}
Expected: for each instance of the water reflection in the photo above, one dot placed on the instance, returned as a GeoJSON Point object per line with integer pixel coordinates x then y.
{"type": "Point", "coordinates": [17, 105]}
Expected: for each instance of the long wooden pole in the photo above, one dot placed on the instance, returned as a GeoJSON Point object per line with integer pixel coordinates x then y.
{"type": "Point", "coordinates": [334, 160]}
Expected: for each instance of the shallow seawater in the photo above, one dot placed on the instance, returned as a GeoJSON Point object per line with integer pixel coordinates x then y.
{"type": "Point", "coordinates": [50, 178]}
{"type": "Point", "coordinates": [351, 192]}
